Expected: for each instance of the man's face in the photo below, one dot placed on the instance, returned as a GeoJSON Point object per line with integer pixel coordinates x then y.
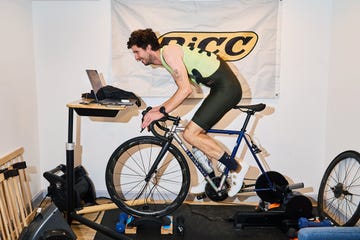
{"type": "Point", "coordinates": [142, 55]}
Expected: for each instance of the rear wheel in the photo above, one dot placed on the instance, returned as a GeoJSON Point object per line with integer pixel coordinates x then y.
{"type": "Point", "coordinates": [339, 192]}
{"type": "Point", "coordinates": [162, 193]}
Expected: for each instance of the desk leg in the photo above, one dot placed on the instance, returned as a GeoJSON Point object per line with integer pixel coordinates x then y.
{"type": "Point", "coordinates": [71, 214]}
{"type": "Point", "coordinates": [70, 167]}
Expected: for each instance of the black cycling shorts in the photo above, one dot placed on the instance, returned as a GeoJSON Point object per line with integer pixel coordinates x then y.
{"type": "Point", "coordinates": [225, 93]}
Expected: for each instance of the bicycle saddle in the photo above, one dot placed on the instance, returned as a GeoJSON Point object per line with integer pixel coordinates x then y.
{"type": "Point", "coordinates": [256, 107]}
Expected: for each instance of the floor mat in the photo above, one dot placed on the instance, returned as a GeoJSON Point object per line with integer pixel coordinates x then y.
{"type": "Point", "coordinates": [200, 222]}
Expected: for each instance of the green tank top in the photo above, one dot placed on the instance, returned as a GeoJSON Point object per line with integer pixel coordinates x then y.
{"type": "Point", "coordinates": [198, 63]}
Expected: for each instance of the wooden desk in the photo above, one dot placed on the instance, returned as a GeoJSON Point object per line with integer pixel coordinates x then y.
{"type": "Point", "coordinates": [85, 107]}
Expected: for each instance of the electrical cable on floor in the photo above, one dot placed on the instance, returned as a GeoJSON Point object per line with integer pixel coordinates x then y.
{"type": "Point", "coordinates": [213, 219]}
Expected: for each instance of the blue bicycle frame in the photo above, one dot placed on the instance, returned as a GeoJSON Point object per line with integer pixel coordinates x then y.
{"type": "Point", "coordinates": [241, 136]}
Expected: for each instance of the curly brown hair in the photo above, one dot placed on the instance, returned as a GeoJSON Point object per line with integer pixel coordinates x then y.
{"type": "Point", "coordinates": [142, 38]}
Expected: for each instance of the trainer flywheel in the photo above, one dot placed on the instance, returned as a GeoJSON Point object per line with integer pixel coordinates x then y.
{"type": "Point", "coordinates": [274, 195]}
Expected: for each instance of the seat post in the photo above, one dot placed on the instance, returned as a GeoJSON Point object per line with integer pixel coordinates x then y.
{"type": "Point", "coordinates": [249, 113]}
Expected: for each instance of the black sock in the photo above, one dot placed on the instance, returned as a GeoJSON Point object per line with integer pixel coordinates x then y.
{"type": "Point", "coordinates": [229, 162]}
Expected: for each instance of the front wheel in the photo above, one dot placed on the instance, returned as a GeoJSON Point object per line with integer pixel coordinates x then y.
{"type": "Point", "coordinates": [339, 192]}
{"type": "Point", "coordinates": [162, 193]}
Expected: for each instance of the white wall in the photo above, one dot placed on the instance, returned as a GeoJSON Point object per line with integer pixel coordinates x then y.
{"type": "Point", "coordinates": [70, 36]}
{"type": "Point", "coordinates": [18, 93]}
{"type": "Point", "coordinates": [295, 132]}
{"type": "Point", "coordinates": [343, 112]}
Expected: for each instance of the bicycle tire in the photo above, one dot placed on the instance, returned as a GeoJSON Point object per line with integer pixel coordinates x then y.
{"type": "Point", "coordinates": [125, 178]}
{"type": "Point", "coordinates": [339, 192]}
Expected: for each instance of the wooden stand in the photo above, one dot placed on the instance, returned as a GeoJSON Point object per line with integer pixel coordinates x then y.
{"type": "Point", "coordinates": [15, 198]}
{"type": "Point", "coordinates": [165, 224]}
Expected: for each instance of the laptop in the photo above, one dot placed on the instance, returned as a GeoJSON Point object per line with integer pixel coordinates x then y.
{"type": "Point", "coordinates": [97, 84]}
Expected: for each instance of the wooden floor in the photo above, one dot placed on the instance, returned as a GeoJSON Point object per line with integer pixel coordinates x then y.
{"type": "Point", "coordinates": [82, 231]}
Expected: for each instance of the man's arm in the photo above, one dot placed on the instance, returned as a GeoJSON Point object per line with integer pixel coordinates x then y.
{"type": "Point", "coordinates": [173, 56]}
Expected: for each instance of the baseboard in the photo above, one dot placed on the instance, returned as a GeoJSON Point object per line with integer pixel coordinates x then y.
{"type": "Point", "coordinates": [38, 198]}
{"type": "Point", "coordinates": [102, 194]}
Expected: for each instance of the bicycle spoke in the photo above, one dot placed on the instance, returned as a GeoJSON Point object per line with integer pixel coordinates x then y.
{"type": "Point", "coordinates": [128, 166]}
{"type": "Point", "coordinates": [131, 175]}
{"type": "Point", "coordinates": [142, 168]}
{"type": "Point", "coordinates": [168, 190]}
{"type": "Point", "coordinates": [141, 159]}
{"type": "Point", "coordinates": [130, 192]}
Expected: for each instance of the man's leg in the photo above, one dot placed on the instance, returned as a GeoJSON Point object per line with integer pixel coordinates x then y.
{"type": "Point", "coordinates": [196, 136]}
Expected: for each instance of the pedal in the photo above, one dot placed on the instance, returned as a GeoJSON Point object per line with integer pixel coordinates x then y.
{"type": "Point", "coordinates": [201, 196]}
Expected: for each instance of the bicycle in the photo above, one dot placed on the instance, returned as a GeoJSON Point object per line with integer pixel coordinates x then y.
{"type": "Point", "coordinates": [148, 176]}
{"type": "Point", "coordinates": [339, 192]}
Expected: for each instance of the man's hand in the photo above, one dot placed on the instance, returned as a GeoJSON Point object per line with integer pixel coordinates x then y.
{"type": "Point", "coordinates": [150, 116]}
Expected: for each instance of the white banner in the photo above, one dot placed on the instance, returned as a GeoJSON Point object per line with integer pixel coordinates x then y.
{"type": "Point", "coordinates": [244, 32]}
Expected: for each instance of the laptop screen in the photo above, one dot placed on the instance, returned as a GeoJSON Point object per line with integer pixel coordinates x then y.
{"type": "Point", "coordinates": [94, 80]}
